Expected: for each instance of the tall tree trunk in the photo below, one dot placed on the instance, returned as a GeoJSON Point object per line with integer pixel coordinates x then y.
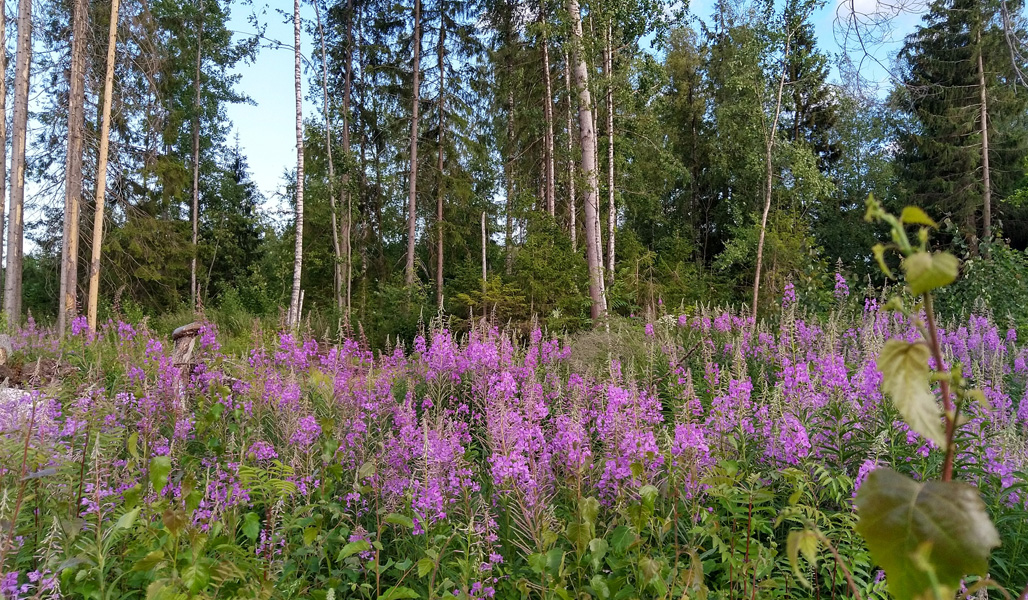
{"type": "Point", "coordinates": [73, 168]}
{"type": "Point", "coordinates": [485, 246]}
{"type": "Point", "coordinates": [593, 248]}
{"type": "Point", "coordinates": [572, 200]}
{"type": "Point", "coordinates": [347, 196]}
{"type": "Point", "coordinates": [986, 174]}
{"type": "Point", "coordinates": [412, 200]}
{"type": "Point", "coordinates": [101, 171]}
{"type": "Point", "coordinates": [508, 168]}
{"type": "Point", "coordinates": [769, 180]}
{"type": "Point", "coordinates": [3, 128]}
{"type": "Point", "coordinates": [548, 159]}
{"type": "Point", "coordinates": [194, 295]}
{"type": "Point", "coordinates": [612, 216]}
{"type": "Point", "coordinates": [294, 303]}
{"type": "Point", "coordinates": [16, 221]}
{"type": "Point", "coordinates": [440, 188]}
{"type": "Point", "coordinates": [338, 264]}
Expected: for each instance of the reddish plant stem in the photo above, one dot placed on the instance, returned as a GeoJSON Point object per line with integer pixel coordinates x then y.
{"type": "Point", "coordinates": [947, 402]}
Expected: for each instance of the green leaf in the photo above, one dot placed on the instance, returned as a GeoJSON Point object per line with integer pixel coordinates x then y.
{"type": "Point", "coordinates": [396, 592]}
{"type": "Point", "coordinates": [926, 272]}
{"type": "Point", "coordinates": [398, 519]}
{"type": "Point", "coordinates": [599, 586]}
{"type": "Point", "coordinates": [904, 368]}
{"type": "Point", "coordinates": [196, 576]}
{"type": "Point", "coordinates": [132, 444]}
{"type": "Point", "coordinates": [174, 521]}
{"type": "Point", "coordinates": [622, 538]}
{"type": "Point", "coordinates": [597, 550]}
{"type": "Point", "coordinates": [648, 493]}
{"type": "Point", "coordinates": [899, 517]}
{"type": "Point", "coordinates": [554, 562]}
{"type": "Point", "coordinates": [913, 215]}
{"type": "Point", "coordinates": [149, 561]}
{"type": "Point", "coordinates": [126, 520]}
{"type": "Point", "coordinates": [589, 508]}
{"type": "Point", "coordinates": [353, 548]}
{"type": "Point", "coordinates": [425, 566]}
{"type": "Point", "coordinates": [251, 525]}
{"type": "Point", "coordinates": [879, 252]}
{"type": "Point", "coordinates": [802, 541]}
{"type": "Point", "coordinates": [160, 467]}
{"type": "Point", "coordinates": [310, 534]}
{"type": "Point", "coordinates": [579, 535]}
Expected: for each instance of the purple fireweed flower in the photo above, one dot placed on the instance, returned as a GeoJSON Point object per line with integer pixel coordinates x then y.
{"type": "Point", "coordinates": [789, 295]}
{"type": "Point", "coordinates": [842, 290]}
{"type": "Point", "coordinates": [307, 430]}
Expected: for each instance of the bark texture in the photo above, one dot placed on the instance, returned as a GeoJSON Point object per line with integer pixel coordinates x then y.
{"type": "Point", "coordinates": [593, 249]}
{"type": "Point", "coordinates": [101, 169]}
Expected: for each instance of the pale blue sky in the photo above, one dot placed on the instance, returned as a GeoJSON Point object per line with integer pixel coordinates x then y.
{"type": "Point", "coordinates": [266, 129]}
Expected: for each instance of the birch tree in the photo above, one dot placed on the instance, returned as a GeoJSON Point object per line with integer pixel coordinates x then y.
{"type": "Point", "coordinates": [587, 135]}
{"type": "Point", "coordinates": [101, 170]}
{"type": "Point", "coordinates": [294, 302]}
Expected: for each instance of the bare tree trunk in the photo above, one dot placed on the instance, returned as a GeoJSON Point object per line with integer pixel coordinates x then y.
{"type": "Point", "coordinates": [348, 200]}
{"type": "Point", "coordinates": [294, 303]}
{"type": "Point", "coordinates": [508, 167]}
{"type": "Point", "coordinates": [194, 295]}
{"type": "Point", "coordinates": [548, 159]}
{"type": "Point", "coordinates": [3, 127]}
{"type": "Point", "coordinates": [440, 188]}
{"type": "Point", "coordinates": [485, 245]}
{"type": "Point", "coordinates": [412, 199]}
{"type": "Point", "coordinates": [986, 174]}
{"type": "Point", "coordinates": [593, 249]}
{"type": "Point", "coordinates": [3, 124]}
{"type": "Point", "coordinates": [337, 270]}
{"type": "Point", "coordinates": [572, 200]}
{"type": "Point", "coordinates": [73, 168]}
{"type": "Point", "coordinates": [16, 223]}
{"type": "Point", "coordinates": [768, 182]}
{"type": "Point", "coordinates": [612, 216]}
{"type": "Point", "coordinates": [101, 171]}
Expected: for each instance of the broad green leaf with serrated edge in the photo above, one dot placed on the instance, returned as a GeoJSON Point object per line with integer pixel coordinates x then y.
{"type": "Point", "coordinates": [898, 515]}
{"type": "Point", "coordinates": [425, 566]}
{"type": "Point", "coordinates": [251, 525]}
{"type": "Point", "coordinates": [589, 508]}
{"type": "Point", "coordinates": [196, 576]}
{"type": "Point", "coordinates": [398, 519]}
{"type": "Point", "coordinates": [926, 272]}
{"type": "Point", "coordinates": [353, 548]}
{"type": "Point", "coordinates": [904, 368]}
{"type": "Point", "coordinates": [397, 592]}
{"type": "Point", "coordinates": [160, 467]}
{"type": "Point", "coordinates": [913, 215]}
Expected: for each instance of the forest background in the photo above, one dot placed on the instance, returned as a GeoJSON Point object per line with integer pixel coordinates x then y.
{"type": "Point", "coordinates": [523, 161]}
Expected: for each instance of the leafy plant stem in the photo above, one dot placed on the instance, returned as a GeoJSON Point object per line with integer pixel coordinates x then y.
{"type": "Point", "coordinates": [22, 483]}
{"type": "Point", "coordinates": [947, 402]}
{"type": "Point", "coordinates": [838, 561]}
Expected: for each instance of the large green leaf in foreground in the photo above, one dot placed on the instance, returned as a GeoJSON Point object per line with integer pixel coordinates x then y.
{"type": "Point", "coordinates": [943, 521]}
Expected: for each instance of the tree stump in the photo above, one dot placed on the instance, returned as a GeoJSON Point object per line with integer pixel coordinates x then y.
{"type": "Point", "coordinates": [184, 339]}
